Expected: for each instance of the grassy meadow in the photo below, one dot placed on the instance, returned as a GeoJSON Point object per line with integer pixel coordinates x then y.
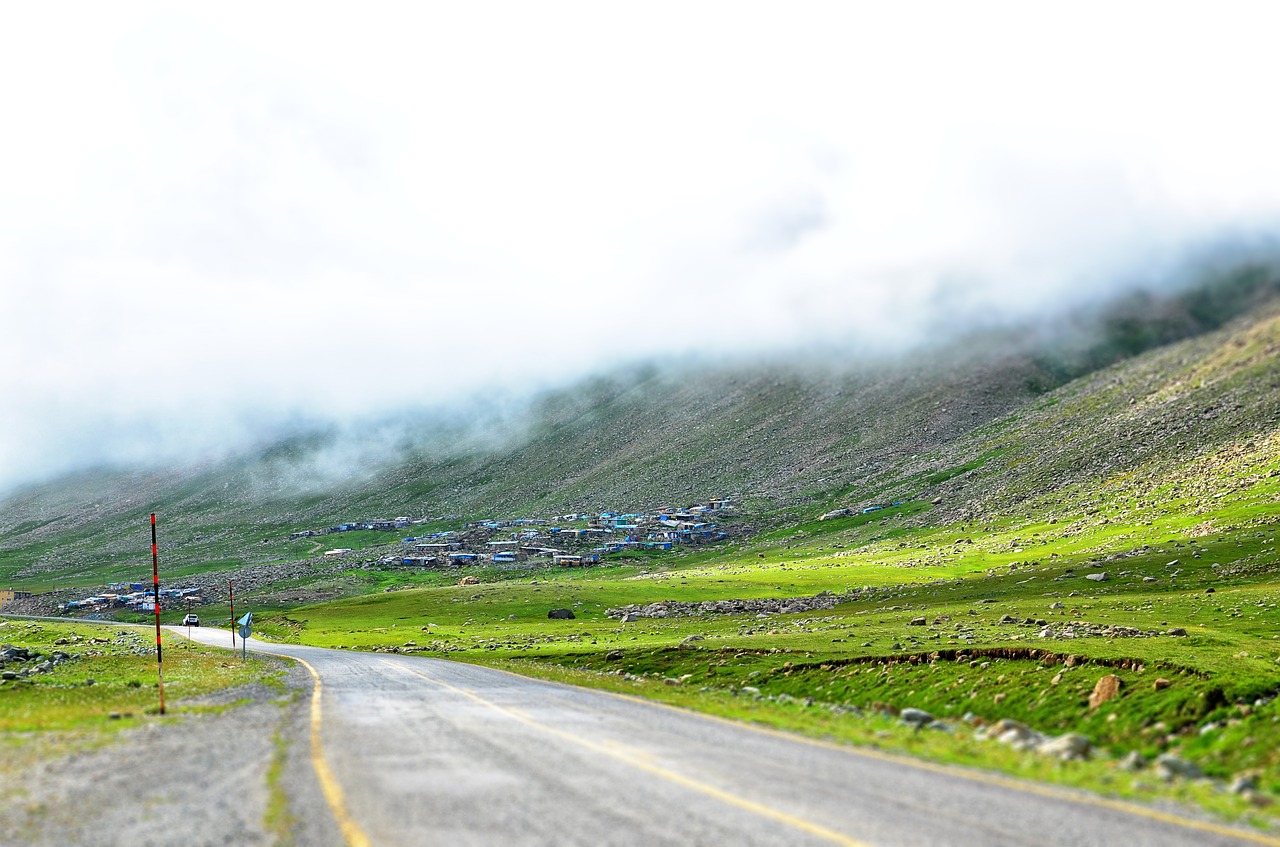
{"type": "Point", "coordinates": [970, 622]}
{"type": "Point", "coordinates": [108, 683]}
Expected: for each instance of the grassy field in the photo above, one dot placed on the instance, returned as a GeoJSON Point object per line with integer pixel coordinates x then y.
{"type": "Point", "coordinates": [107, 682]}
{"type": "Point", "coordinates": [972, 623]}
{"type": "Point", "coordinates": [978, 597]}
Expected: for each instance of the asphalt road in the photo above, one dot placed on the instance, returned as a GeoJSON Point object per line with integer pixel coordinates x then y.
{"type": "Point", "coordinates": [418, 751]}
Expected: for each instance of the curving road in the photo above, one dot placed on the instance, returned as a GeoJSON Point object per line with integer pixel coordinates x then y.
{"type": "Point", "coordinates": [416, 751]}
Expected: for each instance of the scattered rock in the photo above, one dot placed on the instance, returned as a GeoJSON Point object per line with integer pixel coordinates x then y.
{"type": "Point", "coordinates": [1243, 782]}
{"type": "Point", "coordinates": [1169, 767]}
{"type": "Point", "coordinates": [915, 717]}
{"type": "Point", "coordinates": [1097, 577]}
{"type": "Point", "coordinates": [561, 614]}
{"type": "Point", "coordinates": [613, 656]}
{"type": "Point", "coordinates": [1160, 684]}
{"type": "Point", "coordinates": [690, 639]}
{"type": "Point", "coordinates": [1133, 761]}
{"type": "Point", "coordinates": [469, 580]}
{"type": "Point", "coordinates": [918, 622]}
{"type": "Point", "coordinates": [1016, 734]}
{"type": "Point", "coordinates": [1177, 632]}
{"type": "Point", "coordinates": [1107, 688]}
{"type": "Point", "coordinates": [1069, 747]}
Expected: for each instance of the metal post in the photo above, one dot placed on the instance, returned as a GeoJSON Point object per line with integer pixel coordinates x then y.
{"type": "Point", "coordinates": [232, 594]}
{"type": "Point", "coordinates": [155, 582]}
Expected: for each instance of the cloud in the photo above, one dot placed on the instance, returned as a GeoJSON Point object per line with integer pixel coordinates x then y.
{"type": "Point", "coordinates": [220, 220]}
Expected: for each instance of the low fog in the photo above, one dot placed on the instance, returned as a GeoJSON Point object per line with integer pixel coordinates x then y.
{"type": "Point", "coordinates": [220, 226]}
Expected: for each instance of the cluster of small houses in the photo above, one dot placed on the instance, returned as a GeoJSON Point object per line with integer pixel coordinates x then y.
{"type": "Point", "coordinates": [525, 539]}
{"type": "Point", "coordinates": [133, 597]}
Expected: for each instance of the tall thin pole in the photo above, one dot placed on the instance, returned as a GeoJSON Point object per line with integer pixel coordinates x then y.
{"type": "Point", "coordinates": [155, 580]}
{"type": "Point", "coordinates": [231, 592]}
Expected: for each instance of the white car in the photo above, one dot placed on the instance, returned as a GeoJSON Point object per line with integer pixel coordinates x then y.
{"type": "Point", "coordinates": [191, 620]}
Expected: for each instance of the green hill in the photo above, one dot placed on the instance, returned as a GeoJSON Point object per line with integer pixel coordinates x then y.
{"type": "Point", "coordinates": [1159, 387]}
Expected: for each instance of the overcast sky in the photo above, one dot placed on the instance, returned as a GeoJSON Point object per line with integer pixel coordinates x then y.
{"type": "Point", "coordinates": [236, 213]}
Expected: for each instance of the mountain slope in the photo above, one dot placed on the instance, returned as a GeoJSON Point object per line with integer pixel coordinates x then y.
{"type": "Point", "coordinates": [969, 426]}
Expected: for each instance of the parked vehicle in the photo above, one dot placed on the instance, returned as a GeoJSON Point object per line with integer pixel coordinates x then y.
{"type": "Point", "coordinates": [191, 620]}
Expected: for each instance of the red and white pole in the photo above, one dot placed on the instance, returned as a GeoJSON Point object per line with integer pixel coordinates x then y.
{"type": "Point", "coordinates": [155, 580]}
{"type": "Point", "coordinates": [232, 594]}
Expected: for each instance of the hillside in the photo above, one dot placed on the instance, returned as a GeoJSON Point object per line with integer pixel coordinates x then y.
{"type": "Point", "coordinates": [973, 426]}
{"type": "Point", "coordinates": [1072, 578]}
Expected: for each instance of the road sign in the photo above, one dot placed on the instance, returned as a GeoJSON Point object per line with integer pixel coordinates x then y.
{"type": "Point", "coordinates": [246, 627]}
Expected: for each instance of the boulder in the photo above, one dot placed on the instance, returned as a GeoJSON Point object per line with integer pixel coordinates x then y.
{"type": "Point", "coordinates": [1016, 734]}
{"type": "Point", "coordinates": [1169, 767]}
{"type": "Point", "coordinates": [1243, 782]}
{"type": "Point", "coordinates": [1069, 747]}
{"type": "Point", "coordinates": [561, 614]}
{"type": "Point", "coordinates": [915, 717]}
{"type": "Point", "coordinates": [1107, 688]}
{"type": "Point", "coordinates": [1097, 577]}
{"type": "Point", "coordinates": [469, 580]}
{"type": "Point", "coordinates": [1133, 761]}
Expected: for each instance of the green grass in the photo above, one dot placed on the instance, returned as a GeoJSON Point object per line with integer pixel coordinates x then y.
{"type": "Point", "coordinates": [113, 672]}
{"type": "Point", "coordinates": [867, 658]}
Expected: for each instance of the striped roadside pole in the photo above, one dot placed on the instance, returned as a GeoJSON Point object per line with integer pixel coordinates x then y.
{"type": "Point", "coordinates": [155, 580]}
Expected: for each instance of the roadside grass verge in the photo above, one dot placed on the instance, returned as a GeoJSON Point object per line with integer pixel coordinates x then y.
{"type": "Point", "coordinates": [108, 683]}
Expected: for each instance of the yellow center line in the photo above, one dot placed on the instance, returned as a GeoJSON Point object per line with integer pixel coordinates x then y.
{"type": "Point", "coordinates": [989, 779]}
{"type": "Point", "coordinates": [648, 767]}
{"type": "Point", "coordinates": [351, 832]}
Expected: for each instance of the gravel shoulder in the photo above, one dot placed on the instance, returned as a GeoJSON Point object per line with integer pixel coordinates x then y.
{"type": "Point", "coordinates": [206, 777]}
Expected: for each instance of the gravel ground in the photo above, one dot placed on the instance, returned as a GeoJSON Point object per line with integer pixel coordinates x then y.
{"type": "Point", "coordinates": [185, 779]}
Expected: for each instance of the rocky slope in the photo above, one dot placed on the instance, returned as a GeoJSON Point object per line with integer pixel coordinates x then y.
{"type": "Point", "coordinates": [974, 426]}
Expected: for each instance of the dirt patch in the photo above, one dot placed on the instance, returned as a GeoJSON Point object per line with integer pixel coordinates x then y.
{"type": "Point", "coordinates": [193, 777]}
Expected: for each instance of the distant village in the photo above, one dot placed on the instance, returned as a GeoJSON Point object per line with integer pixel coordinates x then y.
{"type": "Point", "coordinates": [133, 597]}
{"type": "Point", "coordinates": [560, 541]}
{"type": "Point", "coordinates": [572, 540]}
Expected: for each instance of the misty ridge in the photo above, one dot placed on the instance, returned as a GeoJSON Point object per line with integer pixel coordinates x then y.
{"type": "Point", "coordinates": [289, 457]}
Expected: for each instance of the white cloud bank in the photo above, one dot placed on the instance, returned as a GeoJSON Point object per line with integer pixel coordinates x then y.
{"type": "Point", "coordinates": [223, 216]}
